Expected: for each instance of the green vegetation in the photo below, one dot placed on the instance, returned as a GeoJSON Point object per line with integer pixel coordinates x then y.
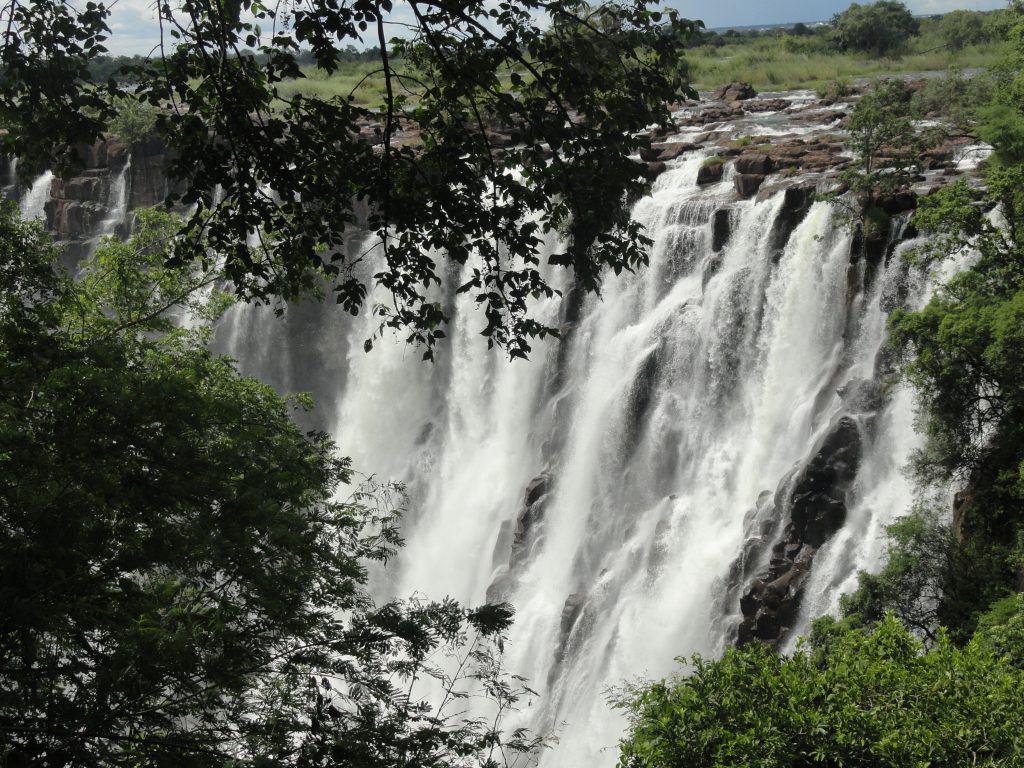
{"type": "Point", "coordinates": [178, 584]}
{"type": "Point", "coordinates": [596, 78]}
{"type": "Point", "coordinates": [133, 121]}
{"type": "Point", "coordinates": [873, 699]}
{"type": "Point", "coordinates": [814, 57]}
{"type": "Point", "coordinates": [882, 27]}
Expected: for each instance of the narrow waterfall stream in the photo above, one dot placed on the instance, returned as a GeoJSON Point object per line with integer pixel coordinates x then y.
{"type": "Point", "coordinates": [33, 204]}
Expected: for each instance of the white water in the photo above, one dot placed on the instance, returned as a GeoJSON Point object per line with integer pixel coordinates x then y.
{"type": "Point", "coordinates": [680, 395]}
{"type": "Point", "coordinates": [117, 202]}
{"type": "Point", "coordinates": [33, 204]}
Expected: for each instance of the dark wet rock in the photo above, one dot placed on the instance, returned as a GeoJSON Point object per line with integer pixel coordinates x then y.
{"type": "Point", "coordinates": [797, 202]}
{"type": "Point", "coordinates": [819, 495]}
{"type": "Point", "coordinates": [500, 138]}
{"type": "Point", "coordinates": [766, 105]}
{"type": "Point", "coordinates": [653, 170]}
{"type": "Point", "coordinates": [816, 499]}
{"type": "Point", "coordinates": [734, 92]}
{"type": "Point", "coordinates": [712, 114]}
{"type": "Point", "coordinates": [650, 154]}
{"type": "Point", "coordinates": [860, 395]}
{"type": "Point", "coordinates": [754, 163]}
{"type": "Point", "coordinates": [537, 489]}
{"type": "Point", "coordinates": [672, 150]}
{"type": "Point", "coordinates": [751, 601]}
{"type": "Point", "coordinates": [711, 267]}
{"type": "Point", "coordinates": [822, 160]}
{"type": "Point", "coordinates": [898, 201]}
{"type": "Point", "coordinates": [767, 624]}
{"type": "Point", "coordinates": [571, 610]}
{"type": "Point", "coordinates": [747, 184]}
{"type": "Point", "coordinates": [710, 173]}
{"type": "Point", "coordinates": [530, 519]}
{"type": "Point", "coordinates": [721, 229]}
{"type": "Point", "coordinates": [818, 117]}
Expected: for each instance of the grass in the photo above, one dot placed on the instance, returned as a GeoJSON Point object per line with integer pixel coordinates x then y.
{"type": "Point", "coordinates": [771, 65]}
{"type": "Point", "coordinates": [362, 81]}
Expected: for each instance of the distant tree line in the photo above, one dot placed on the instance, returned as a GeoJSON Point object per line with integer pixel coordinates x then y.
{"type": "Point", "coordinates": [103, 68]}
{"type": "Point", "coordinates": [885, 27]}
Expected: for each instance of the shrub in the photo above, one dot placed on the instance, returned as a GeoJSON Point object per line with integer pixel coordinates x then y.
{"type": "Point", "coordinates": [881, 28]}
{"type": "Point", "coordinates": [133, 121]}
{"type": "Point", "coordinates": [857, 699]}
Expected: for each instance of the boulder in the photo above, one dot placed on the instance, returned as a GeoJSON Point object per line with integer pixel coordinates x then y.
{"type": "Point", "coordinates": [747, 184]}
{"type": "Point", "coordinates": [898, 201]}
{"type": "Point", "coordinates": [721, 228]}
{"type": "Point", "coordinates": [766, 105]}
{"type": "Point", "coordinates": [822, 160]}
{"type": "Point", "coordinates": [818, 497]}
{"type": "Point", "coordinates": [714, 114]}
{"type": "Point", "coordinates": [710, 173]}
{"type": "Point", "coordinates": [673, 150]}
{"type": "Point", "coordinates": [734, 92]}
{"type": "Point", "coordinates": [650, 154]}
{"type": "Point", "coordinates": [653, 170]}
{"type": "Point", "coordinates": [754, 163]}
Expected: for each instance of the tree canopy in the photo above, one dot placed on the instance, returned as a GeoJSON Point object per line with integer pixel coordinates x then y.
{"type": "Point", "coordinates": [183, 579]}
{"type": "Point", "coordinates": [859, 699]}
{"type": "Point", "coordinates": [881, 27]}
{"type": "Point", "coordinates": [277, 181]}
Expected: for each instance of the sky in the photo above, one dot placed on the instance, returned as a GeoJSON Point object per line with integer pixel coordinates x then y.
{"type": "Point", "coordinates": [725, 13]}
{"type": "Point", "coordinates": [135, 31]}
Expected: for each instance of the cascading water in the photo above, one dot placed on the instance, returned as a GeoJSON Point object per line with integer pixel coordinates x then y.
{"type": "Point", "coordinates": [117, 202]}
{"type": "Point", "coordinates": [33, 204]}
{"type": "Point", "coordinates": [604, 488]}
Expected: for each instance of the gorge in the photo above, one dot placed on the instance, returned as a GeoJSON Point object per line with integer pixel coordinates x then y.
{"type": "Point", "coordinates": [709, 455]}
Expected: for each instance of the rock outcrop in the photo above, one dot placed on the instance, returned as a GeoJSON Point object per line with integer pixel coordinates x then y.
{"type": "Point", "coordinates": [747, 184]}
{"type": "Point", "coordinates": [710, 173]}
{"type": "Point", "coordinates": [734, 92]}
{"type": "Point", "coordinates": [814, 499]}
{"type": "Point", "coordinates": [115, 178]}
{"type": "Point", "coordinates": [525, 535]}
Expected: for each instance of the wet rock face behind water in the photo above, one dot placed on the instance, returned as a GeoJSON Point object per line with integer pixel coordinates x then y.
{"type": "Point", "coordinates": [815, 498]}
{"type": "Point", "coordinates": [115, 178]}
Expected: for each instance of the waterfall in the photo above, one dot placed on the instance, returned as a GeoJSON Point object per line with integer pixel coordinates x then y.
{"type": "Point", "coordinates": [10, 186]}
{"type": "Point", "coordinates": [33, 204]}
{"type": "Point", "coordinates": [117, 202]}
{"type": "Point", "coordinates": [605, 488]}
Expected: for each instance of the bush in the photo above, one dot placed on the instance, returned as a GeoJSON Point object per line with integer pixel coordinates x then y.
{"type": "Point", "coordinates": [134, 121]}
{"type": "Point", "coordinates": [930, 578]}
{"type": "Point", "coordinates": [855, 699]}
{"type": "Point", "coordinates": [953, 96]}
{"type": "Point", "coordinates": [881, 28]}
{"type": "Point", "coordinates": [959, 29]}
{"type": "Point", "coordinates": [835, 90]}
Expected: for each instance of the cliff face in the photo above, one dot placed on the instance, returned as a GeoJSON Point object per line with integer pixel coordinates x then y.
{"type": "Point", "coordinates": [115, 179]}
